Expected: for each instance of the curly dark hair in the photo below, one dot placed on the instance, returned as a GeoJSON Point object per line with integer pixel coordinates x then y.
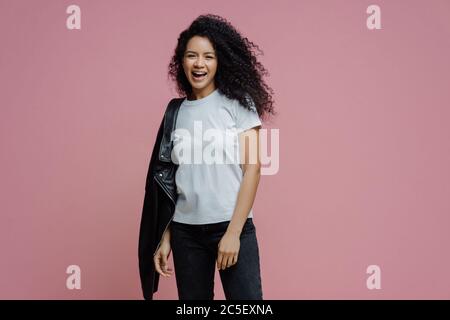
{"type": "Point", "coordinates": [238, 72]}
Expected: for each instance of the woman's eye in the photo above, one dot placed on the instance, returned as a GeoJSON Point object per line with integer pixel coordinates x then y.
{"type": "Point", "coordinates": [192, 56]}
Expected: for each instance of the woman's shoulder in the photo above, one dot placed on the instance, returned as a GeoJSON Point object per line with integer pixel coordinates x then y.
{"type": "Point", "coordinates": [174, 102]}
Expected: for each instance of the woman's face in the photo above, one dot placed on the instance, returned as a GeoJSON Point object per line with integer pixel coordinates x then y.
{"type": "Point", "coordinates": [200, 58]}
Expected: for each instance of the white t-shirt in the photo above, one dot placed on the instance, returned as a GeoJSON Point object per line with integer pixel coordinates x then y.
{"type": "Point", "coordinates": [206, 149]}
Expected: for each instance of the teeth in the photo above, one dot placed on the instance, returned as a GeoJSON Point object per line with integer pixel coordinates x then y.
{"type": "Point", "coordinates": [199, 74]}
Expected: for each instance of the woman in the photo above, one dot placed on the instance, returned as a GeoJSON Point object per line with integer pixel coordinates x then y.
{"type": "Point", "coordinates": [217, 71]}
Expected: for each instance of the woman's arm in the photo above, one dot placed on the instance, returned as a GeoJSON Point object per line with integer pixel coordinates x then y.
{"type": "Point", "coordinates": [162, 256]}
{"type": "Point", "coordinates": [251, 167]}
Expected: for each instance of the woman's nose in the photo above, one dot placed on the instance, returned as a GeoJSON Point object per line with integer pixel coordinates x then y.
{"type": "Point", "coordinates": [198, 63]}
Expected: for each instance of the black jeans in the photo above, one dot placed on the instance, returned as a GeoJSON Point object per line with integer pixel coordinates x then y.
{"type": "Point", "coordinates": [195, 249]}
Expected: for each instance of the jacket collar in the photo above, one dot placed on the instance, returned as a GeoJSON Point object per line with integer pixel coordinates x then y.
{"type": "Point", "coordinates": [170, 119]}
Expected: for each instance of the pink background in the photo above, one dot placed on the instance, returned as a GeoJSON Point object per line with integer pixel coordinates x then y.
{"type": "Point", "coordinates": [364, 154]}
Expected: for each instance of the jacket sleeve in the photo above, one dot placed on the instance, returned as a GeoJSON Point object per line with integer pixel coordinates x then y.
{"type": "Point", "coordinates": [155, 154]}
{"type": "Point", "coordinates": [148, 226]}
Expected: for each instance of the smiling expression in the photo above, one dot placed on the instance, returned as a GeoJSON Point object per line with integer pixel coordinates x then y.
{"type": "Point", "coordinates": [200, 66]}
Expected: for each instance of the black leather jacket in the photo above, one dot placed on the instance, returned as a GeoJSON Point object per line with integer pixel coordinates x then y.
{"type": "Point", "coordinates": [159, 200]}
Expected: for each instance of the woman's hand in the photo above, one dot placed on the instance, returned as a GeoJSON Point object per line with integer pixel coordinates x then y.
{"type": "Point", "coordinates": [228, 250]}
{"type": "Point", "coordinates": [161, 257]}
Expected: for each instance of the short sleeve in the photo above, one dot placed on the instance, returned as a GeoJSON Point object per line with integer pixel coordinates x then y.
{"type": "Point", "coordinates": [245, 118]}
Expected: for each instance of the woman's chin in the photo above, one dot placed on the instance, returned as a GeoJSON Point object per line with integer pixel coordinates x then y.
{"type": "Point", "coordinates": [199, 85]}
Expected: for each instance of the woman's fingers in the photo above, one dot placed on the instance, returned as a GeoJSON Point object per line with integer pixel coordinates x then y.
{"type": "Point", "coordinates": [161, 265]}
{"type": "Point", "coordinates": [233, 260]}
{"type": "Point", "coordinates": [225, 261]}
{"type": "Point", "coordinates": [157, 264]}
{"type": "Point", "coordinates": [165, 266]}
{"type": "Point", "coordinates": [230, 261]}
{"type": "Point", "coordinates": [219, 260]}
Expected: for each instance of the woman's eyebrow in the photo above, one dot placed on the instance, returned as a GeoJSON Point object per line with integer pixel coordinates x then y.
{"type": "Point", "coordinates": [190, 51]}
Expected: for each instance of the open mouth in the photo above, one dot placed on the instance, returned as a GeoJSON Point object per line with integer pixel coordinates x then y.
{"type": "Point", "coordinates": [199, 75]}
